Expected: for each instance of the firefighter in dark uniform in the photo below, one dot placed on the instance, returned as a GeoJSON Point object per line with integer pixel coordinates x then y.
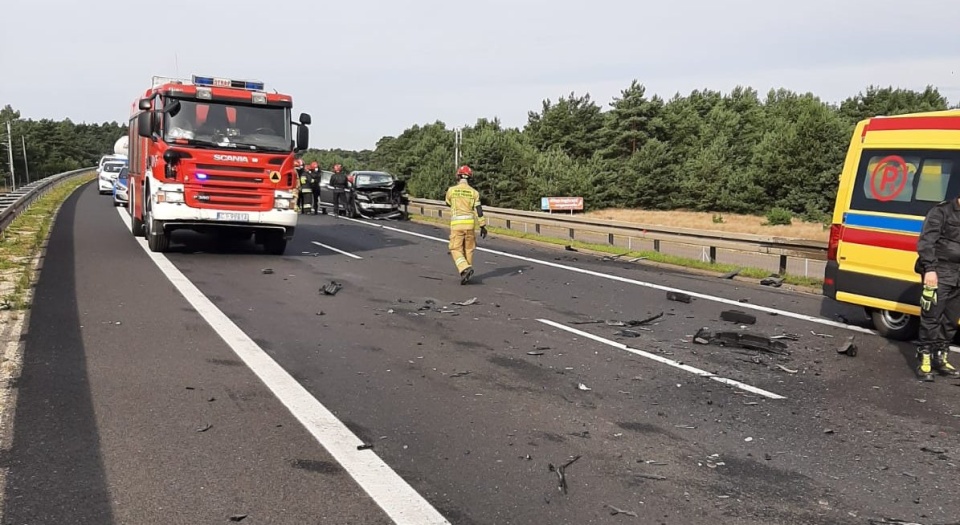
{"type": "Point", "coordinates": [338, 181]}
{"type": "Point", "coordinates": [939, 264]}
{"type": "Point", "coordinates": [315, 185]}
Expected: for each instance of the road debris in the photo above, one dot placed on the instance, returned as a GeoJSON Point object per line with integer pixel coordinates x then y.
{"type": "Point", "coordinates": [535, 352]}
{"type": "Point", "coordinates": [365, 446]}
{"type": "Point", "coordinates": [787, 370]}
{"type": "Point", "coordinates": [820, 335]}
{"type": "Point", "coordinates": [614, 511]}
{"type": "Point", "coordinates": [679, 297]}
{"type": "Point", "coordinates": [569, 248]}
{"type": "Point", "coordinates": [748, 340]}
{"type": "Point", "coordinates": [788, 337]}
{"type": "Point", "coordinates": [738, 316]}
{"type": "Point", "coordinates": [460, 374]}
{"type": "Point", "coordinates": [583, 387]}
{"type": "Point", "coordinates": [238, 517]}
{"type": "Point", "coordinates": [331, 289]}
{"type": "Point", "coordinates": [849, 348]}
{"type": "Point", "coordinates": [204, 428]}
{"type": "Point", "coordinates": [628, 333]}
{"type": "Point", "coordinates": [731, 274]}
{"type": "Point", "coordinates": [561, 474]}
{"type": "Point", "coordinates": [890, 521]}
{"type": "Point", "coordinates": [266, 271]}
{"type": "Point", "coordinates": [468, 302]}
{"type": "Point", "coordinates": [654, 477]}
{"type": "Point", "coordinates": [430, 277]}
{"type": "Point", "coordinates": [774, 280]}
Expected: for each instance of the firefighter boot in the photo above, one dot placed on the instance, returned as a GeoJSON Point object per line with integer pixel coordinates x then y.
{"type": "Point", "coordinates": [924, 368]}
{"type": "Point", "coordinates": [941, 365]}
{"type": "Point", "coordinates": [466, 274]}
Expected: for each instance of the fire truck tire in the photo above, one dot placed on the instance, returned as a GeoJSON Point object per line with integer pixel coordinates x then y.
{"type": "Point", "coordinates": [159, 241]}
{"type": "Point", "coordinates": [274, 243]}
{"type": "Point", "coordinates": [136, 225]}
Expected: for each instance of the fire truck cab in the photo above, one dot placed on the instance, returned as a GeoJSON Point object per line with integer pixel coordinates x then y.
{"type": "Point", "coordinates": [216, 156]}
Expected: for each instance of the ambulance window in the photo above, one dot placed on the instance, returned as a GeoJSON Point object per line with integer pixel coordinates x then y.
{"type": "Point", "coordinates": [905, 182]}
{"type": "Point", "coordinates": [883, 180]}
{"type": "Point", "coordinates": [934, 178]}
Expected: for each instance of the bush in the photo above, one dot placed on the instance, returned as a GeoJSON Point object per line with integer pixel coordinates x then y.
{"type": "Point", "coordinates": [717, 219]}
{"type": "Point", "coordinates": [779, 217]}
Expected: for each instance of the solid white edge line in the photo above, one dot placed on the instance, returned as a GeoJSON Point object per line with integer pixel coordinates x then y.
{"type": "Point", "coordinates": [386, 488]}
{"type": "Point", "coordinates": [664, 360]}
{"type": "Point", "coordinates": [348, 254]}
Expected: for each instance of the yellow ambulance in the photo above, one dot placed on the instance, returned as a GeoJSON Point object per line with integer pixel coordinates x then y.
{"type": "Point", "coordinates": [896, 169]}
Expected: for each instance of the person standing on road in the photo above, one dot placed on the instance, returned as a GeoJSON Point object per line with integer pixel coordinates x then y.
{"type": "Point", "coordinates": [315, 185]}
{"type": "Point", "coordinates": [939, 263]}
{"type": "Point", "coordinates": [338, 181]}
{"type": "Point", "coordinates": [465, 215]}
{"type": "Point", "coordinates": [298, 172]}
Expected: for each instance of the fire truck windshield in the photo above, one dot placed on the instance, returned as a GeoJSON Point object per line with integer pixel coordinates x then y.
{"type": "Point", "coordinates": [228, 125]}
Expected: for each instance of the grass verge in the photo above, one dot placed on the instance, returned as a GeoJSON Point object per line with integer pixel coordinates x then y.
{"type": "Point", "coordinates": [648, 256]}
{"type": "Point", "coordinates": [22, 241]}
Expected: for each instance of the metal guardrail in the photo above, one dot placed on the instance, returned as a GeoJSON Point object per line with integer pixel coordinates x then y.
{"type": "Point", "coordinates": [14, 203]}
{"type": "Point", "coordinates": [776, 251]}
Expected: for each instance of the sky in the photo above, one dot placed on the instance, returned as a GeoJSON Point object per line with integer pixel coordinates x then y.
{"type": "Point", "coordinates": [364, 69]}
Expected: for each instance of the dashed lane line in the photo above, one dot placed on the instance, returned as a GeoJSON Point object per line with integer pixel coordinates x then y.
{"type": "Point", "coordinates": [664, 360]}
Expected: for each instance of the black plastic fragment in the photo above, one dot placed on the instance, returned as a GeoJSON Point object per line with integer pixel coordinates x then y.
{"type": "Point", "coordinates": [738, 316]}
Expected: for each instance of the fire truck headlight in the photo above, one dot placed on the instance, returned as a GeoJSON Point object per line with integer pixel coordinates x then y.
{"type": "Point", "coordinates": [283, 204]}
{"type": "Point", "coordinates": [170, 196]}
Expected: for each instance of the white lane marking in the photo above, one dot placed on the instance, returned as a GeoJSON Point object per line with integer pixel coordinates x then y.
{"type": "Point", "coordinates": [664, 360]}
{"type": "Point", "coordinates": [627, 280]}
{"type": "Point", "coordinates": [394, 495]}
{"type": "Point", "coordinates": [348, 254]}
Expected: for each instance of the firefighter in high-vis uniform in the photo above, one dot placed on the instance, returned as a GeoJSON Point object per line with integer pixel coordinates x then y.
{"type": "Point", "coordinates": [465, 215]}
{"type": "Point", "coordinates": [306, 193]}
{"type": "Point", "coordinates": [298, 169]}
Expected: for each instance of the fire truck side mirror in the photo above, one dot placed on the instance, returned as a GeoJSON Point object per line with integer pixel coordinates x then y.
{"type": "Point", "coordinates": [305, 119]}
{"type": "Point", "coordinates": [144, 104]}
{"type": "Point", "coordinates": [303, 138]}
{"type": "Point", "coordinates": [145, 122]}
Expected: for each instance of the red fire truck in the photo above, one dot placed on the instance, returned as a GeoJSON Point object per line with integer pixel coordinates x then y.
{"type": "Point", "coordinates": [214, 155]}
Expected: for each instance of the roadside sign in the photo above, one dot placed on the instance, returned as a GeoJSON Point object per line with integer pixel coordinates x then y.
{"type": "Point", "coordinates": [561, 204]}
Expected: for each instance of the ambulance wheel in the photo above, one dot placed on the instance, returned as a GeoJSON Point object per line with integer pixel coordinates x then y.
{"type": "Point", "coordinates": [895, 325]}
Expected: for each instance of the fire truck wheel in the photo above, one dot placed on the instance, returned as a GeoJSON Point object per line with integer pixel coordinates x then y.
{"type": "Point", "coordinates": [160, 241]}
{"type": "Point", "coordinates": [274, 243]}
{"type": "Point", "coordinates": [136, 225]}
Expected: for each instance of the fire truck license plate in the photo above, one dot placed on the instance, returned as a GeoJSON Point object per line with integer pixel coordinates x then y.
{"type": "Point", "coordinates": [227, 216]}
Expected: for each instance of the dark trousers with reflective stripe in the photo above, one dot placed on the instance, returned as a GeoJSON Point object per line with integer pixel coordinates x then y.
{"type": "Point", "coordinates": [938, 325]}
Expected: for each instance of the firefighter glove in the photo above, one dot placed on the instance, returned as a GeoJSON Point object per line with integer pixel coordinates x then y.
{"type": "Point", "coordinates": [928, 298]}
{"type": "Point", "coordinates": [483, 232]}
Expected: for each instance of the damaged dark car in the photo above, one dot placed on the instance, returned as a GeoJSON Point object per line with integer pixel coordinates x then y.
{"type": "Point", "coordinates": [370, 194]}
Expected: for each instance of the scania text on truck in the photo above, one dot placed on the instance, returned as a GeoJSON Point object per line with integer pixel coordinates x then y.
{"type": "Point", "coordinates": [215, 156]}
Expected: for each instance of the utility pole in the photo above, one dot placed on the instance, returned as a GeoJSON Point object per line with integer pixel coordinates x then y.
{"type": "Point", "coordinates": [23, 140]}
{"type": "Point", "coordinates": [457, 141]}
{"type": "Point", "coordinates": [13, 177]}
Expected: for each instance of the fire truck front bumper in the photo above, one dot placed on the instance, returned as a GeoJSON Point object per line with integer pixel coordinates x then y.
{"type": "Point", "coordinates": [177, 215]}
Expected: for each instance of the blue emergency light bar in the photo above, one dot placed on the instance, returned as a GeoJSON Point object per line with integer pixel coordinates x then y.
{"type": "Point", "coordinates": [249, 85]}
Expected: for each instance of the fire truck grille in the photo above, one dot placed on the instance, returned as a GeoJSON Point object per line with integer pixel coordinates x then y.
{"type": "Point", "coordinates": [209, 197]}
{"type": "Point", "coordinates": [233, 175]}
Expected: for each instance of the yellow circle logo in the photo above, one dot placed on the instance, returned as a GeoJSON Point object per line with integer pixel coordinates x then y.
{"type": "Point", "coordinates": [275, 176]}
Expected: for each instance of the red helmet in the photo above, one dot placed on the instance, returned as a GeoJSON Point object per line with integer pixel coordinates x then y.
{"type": "Point", "coordinates": [464, 171]}
{"type": "Point", "coordinates": [337, 168]}
{"type": "Point", "coordinates": [314, 166]}
{"type": "Point", "coordinates": [298, 163]}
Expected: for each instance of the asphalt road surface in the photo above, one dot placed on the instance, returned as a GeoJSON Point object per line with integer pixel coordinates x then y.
{"type": "Point", "coordinates": [469, 409]}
